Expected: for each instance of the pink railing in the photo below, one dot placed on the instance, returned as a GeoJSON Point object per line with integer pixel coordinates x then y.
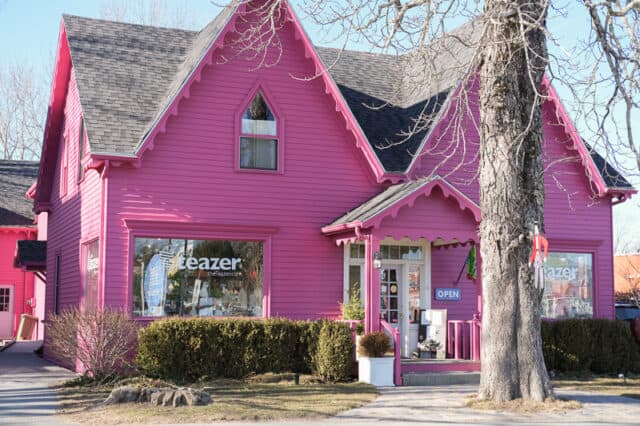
{"type": "Point", "coordinates": [397, 365]}
{"type": "Point", "coordinates": [463, 339]}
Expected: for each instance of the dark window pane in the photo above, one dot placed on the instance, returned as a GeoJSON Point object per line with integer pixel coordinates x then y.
{"type": "Point", "coordinates": [256, 153]}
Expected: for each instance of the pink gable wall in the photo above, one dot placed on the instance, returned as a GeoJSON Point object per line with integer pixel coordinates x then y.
{"type": "Point", "coordinates": [190, 176]}
{"type": "Point", "coordinates": [20, 281]}
{"type": "Point", "coordinates": [75, 218]}
{"type": "Point", "coordinates": [574, 219]}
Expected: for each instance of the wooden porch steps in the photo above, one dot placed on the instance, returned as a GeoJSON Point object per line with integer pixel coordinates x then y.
{"type": "Point", "coordinates": [439, 372]}
{"type": "Point", "coordinates": [441, 379]}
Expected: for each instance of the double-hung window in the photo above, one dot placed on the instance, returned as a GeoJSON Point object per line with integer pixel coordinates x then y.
{"type": "Point", "coordinates": [258, 136]}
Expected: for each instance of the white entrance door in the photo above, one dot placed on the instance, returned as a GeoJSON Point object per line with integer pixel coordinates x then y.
{"type": "Point", "coordinates": [393, 305]}
{"type": "Point", "coordinates": [6, 311]}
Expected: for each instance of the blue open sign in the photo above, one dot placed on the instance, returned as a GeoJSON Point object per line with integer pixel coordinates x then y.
{"type": "Point", "coordinates": [451, 294]}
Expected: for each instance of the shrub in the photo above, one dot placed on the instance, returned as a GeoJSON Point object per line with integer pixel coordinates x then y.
{"type": "Point", "coordinates": [186, 349]}
{"type": "Point", "coordinates": [353, 309]}
{"type": "Point", "coordinates": [374, 345]}
{"type": "Point", "coordinates": [100, 340]}
{"type": "Point", "coordinates": [597, 345]}
{"type": "Point", "coordinates": [334, 357]}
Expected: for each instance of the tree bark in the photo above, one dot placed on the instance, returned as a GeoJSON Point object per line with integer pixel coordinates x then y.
{"type": "Point", "coordinates": [514, 58]}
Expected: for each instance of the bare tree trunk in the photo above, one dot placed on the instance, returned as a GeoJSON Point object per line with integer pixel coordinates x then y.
{"type": "Point", "coordinates": [511, 198]}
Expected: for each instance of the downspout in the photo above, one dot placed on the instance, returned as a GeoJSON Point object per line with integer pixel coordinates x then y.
{"type": "Point", "coordinates": [104, 180]}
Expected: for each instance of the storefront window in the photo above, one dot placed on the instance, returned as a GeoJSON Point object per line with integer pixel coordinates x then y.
{"type": "Point", "coordinates": [568, 289]}
{"type": "Point", "coordinates": [197, 277]}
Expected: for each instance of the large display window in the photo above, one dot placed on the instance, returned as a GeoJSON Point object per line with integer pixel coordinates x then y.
{"type": "Point", "coordinates": [568, 288]}
{"type": "Point", "coordinates": [197, 277]}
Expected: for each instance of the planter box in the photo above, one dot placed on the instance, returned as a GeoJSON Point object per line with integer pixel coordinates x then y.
{"type": "Point", "coordinates": [376, 371]}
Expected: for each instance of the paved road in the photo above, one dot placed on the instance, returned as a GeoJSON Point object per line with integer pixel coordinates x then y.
{"type": "Point", "coordinates": [25, 396]}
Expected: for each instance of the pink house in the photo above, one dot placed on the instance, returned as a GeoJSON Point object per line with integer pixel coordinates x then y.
{"type": "Point", "coordinates": [21, 292]}
{"type": "Point", "coordinates": [179, 178]}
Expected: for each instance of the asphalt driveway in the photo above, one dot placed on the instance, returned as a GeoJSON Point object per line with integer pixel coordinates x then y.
{"type": "Point", "coordinates": [25, 395]}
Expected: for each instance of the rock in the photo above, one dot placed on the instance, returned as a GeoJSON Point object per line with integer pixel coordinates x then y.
{"type": "Point", "coordinates": [123, 394]}
{"type": "Point", "coordinates": [198, 397]}
{"type": "Point", "coordinates": [159, 396]}
{"type": "Point", "coordinates": [167, 400]}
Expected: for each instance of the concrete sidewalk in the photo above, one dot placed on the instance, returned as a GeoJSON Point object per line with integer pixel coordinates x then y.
{"type": "Point", "coordinates": [25, 395]}
{"type": "Point", "coordinates": [434, 405]}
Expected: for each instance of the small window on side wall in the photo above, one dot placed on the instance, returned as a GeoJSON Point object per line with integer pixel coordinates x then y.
{"type": "Point", "coordinates": [81, 149]}
{"type": "Point", "coordinates": [258, 136]}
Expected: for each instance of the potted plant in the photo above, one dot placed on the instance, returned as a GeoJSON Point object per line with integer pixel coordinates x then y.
{"type": "Point", "coordinates": [428, 348]}
{"type": "Point", "coordinates": [373, 366]}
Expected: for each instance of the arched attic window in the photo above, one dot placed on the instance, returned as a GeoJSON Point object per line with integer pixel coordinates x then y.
{"type": "Point", "coordinates": [259, 136]}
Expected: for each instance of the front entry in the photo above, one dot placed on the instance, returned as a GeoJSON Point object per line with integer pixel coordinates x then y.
{"type": "Point", "coordinates": [400, 302]}
{"type": "Point", "coordinates": [405, 282]}
{"type": "Point", "coordinates": [6, 311]}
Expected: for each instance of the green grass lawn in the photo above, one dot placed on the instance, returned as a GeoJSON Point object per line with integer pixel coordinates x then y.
{"type": "Point", "coordinates": [262, 398]}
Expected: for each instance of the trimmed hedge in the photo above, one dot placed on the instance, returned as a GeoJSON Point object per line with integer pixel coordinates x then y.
{"type": "Point", "coordinates": [185, 350]}
{"type": "Point", "coordinates": [598, 345]}
{"type": "Point", "coordinates": [333, 361]}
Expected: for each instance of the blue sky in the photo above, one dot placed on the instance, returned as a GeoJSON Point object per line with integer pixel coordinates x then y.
{"type": "Point", "coordinates": [29, 32]}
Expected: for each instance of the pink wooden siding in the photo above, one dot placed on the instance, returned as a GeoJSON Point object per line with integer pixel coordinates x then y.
{"type": "Point", "coordinates": [190, 176]}
{"type": "Point", "coordinates": [446, 264]}
{"type": "Point", "coordinates": [20, 281]}
{"type": "Point", "coordinates": [75, 217]}
{"type": "Point", "coordinates": [431, 217]}
{"type": "Point", "coordinates": [574, 219]}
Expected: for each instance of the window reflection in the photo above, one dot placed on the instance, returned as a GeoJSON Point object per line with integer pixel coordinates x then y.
{"type": "Point", "coordinates": [568, 286]}
{"type": "Point", "coordinates": [197, 277]}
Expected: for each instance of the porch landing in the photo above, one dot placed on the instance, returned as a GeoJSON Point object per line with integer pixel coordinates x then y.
{"type": "Point", "coordinates": [439, 365]}
{"type": "Point", "coordinates": [440, 372]}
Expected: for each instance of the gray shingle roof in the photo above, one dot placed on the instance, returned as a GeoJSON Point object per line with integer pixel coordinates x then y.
{"type": "Point", "coordinates": [611, 177]}
{"type": "Point", "coordinates": [380, 202]}
{"type": "Point", "coordinates": [128, 74]}
{"type": "Point", "coordinates": [390, 196]}
{"type": "Point", "coordinates": [15, 179]}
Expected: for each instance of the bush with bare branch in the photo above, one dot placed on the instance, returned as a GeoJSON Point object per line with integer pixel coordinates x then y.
{"type": "Point", "coordinates": [101, 341]}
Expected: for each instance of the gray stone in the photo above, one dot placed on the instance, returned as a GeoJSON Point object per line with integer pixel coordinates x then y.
{"type": "Point", "coordinates": [123, 394]}
{"type": "Point", "coordinates": [179, 398]}
{"type": "Point", "coordinates": [156, 397]}
{"type": "Point", "coordinates": [159, 396]}
{"type": "Point", "coordinates": [167, 400]}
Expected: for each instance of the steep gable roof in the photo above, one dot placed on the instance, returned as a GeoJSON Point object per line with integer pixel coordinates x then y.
{"type": "Point", "coordinates": [129, 75]}
{"type": "Point", "coordinates": [15, 179]}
